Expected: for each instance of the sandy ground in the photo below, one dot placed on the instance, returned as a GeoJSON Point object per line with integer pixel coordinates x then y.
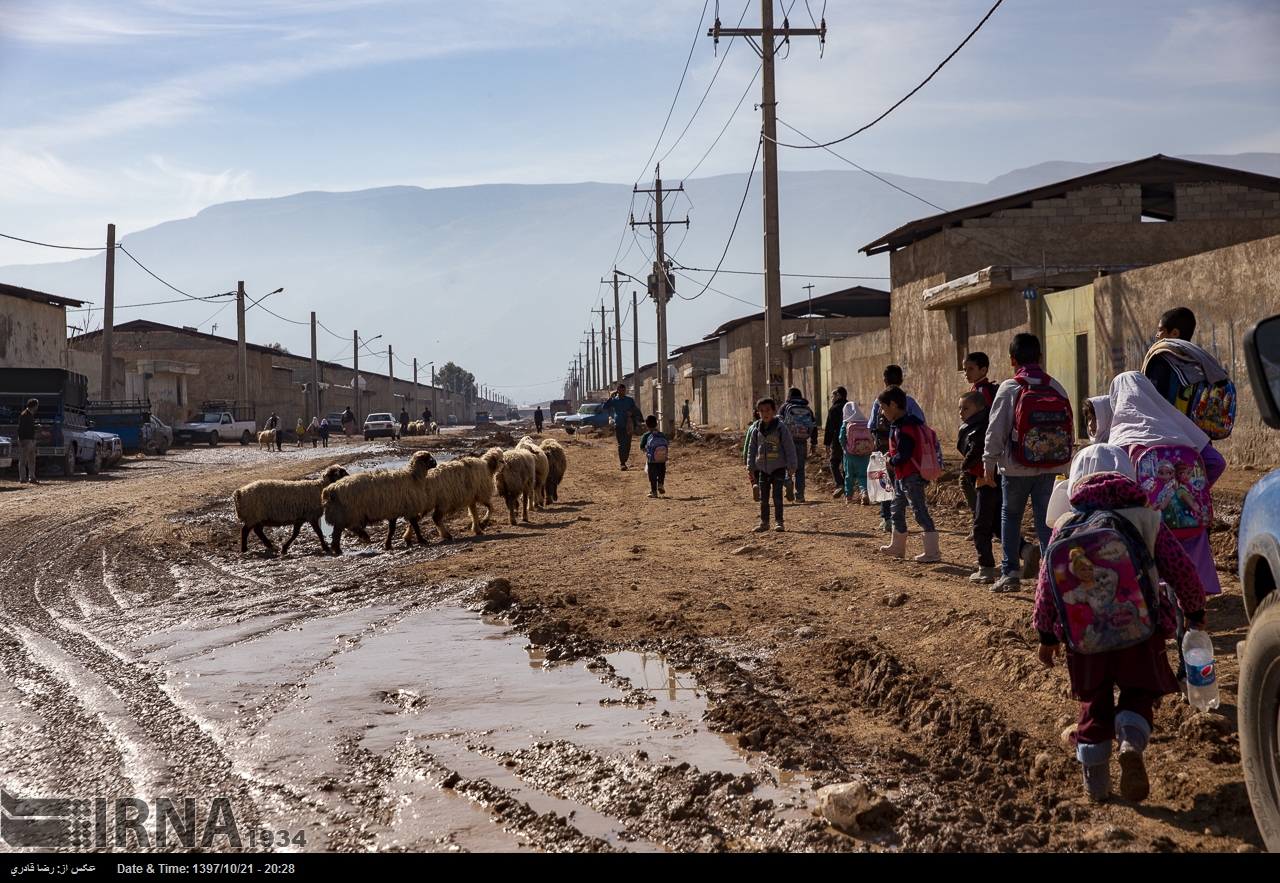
{"type": "Point", "coordinates": [817, 659]}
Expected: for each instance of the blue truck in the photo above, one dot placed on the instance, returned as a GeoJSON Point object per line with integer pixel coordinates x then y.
{"type": "Point", "coordinates": [62, 431]}
{"type": "Point", "coordinates": [131, 420]}
{"type": "Point", "coordinates": [1259, 549]}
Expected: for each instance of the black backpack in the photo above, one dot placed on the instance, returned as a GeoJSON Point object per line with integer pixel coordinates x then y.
{"type": "Point", "coordinates": [881, 432]}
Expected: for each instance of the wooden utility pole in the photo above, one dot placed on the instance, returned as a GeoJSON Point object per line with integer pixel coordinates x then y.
{"type": "Point", "coordinates": [617, 326]}
{"type": "Point", "coordinates": [635, 342]}
{"type": "Point", "coordinates": [767, 35]}
{"type": "Point", "coordinates": [661, 292]}
{"type": "Point", "coordinates": [391, 383]}
{"type": "Point", "coordinates": [313, 402]}
{"type": "Point", "coordinates": [242, 351]}
{"type": "Point", "coordinates": [355, 367]}
{"type": "Point", "coordinates": [591, 350]}
{"type": "Point", "coordinates": [109, 315]}
{"type": "Point", "coordinates": [415, 383]}
{"type": "Point", "coordinates": [604, 340]}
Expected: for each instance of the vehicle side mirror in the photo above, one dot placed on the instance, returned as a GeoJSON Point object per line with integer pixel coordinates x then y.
{"type": "Point", "coordinates": [1262, 356]}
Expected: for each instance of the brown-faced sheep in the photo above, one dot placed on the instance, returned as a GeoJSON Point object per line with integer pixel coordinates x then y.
{"type": "Point", "coordinates": [516, 479]}
{"type": "Point", "coordinates": [540, 478]}
{"type": "Point", "coordinates": [382, 495]}
{"type": "Point", "coordinates": [267, 438]}
{"type": "Point", "coordinates": [557, 463]}
{"type": "Point", "coordinates": [465, 483]}
{"type": "Point", "coordinates": [267, 503]}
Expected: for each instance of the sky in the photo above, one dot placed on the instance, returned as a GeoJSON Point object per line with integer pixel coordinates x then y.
{"type": "Point", "coordinates": [142, 111]}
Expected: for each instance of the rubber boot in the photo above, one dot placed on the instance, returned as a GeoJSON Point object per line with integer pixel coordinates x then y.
{"type": "Point", "coordinates": [931, 552]}
{"type": "Point", "coordinates": [1095, 762]}
{"type": "Point", "coordinates": [1133, 733]}
{"type": "Point", "coordinates": [897, 546]}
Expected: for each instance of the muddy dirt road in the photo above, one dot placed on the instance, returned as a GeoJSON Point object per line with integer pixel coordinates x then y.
{"type": "Point", "coordinates": [657, 677]}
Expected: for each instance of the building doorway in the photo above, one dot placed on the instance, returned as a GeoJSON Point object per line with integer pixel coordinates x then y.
{"type": "Point", "coordinates": [1069, 344]}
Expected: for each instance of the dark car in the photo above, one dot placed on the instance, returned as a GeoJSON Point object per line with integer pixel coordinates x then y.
{"type": "Point", "coordinates": [1259, 548]}
{"type": "Point", "coordinates": [589, 414]}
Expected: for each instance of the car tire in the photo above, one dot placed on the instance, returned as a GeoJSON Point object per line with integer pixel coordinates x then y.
{"type": "Point", "coordinates": [1259, 711]}
{"type": "Point", "coordinates": [94, 466]}
{"type": "Point", "coordinates": [246, 438]}
{"type": "Point", "coordinates": [69, 462]}
{"type": "Point", "coordinates": [162, 448]}
{"type": "Point", "coordinates": [213, 439]}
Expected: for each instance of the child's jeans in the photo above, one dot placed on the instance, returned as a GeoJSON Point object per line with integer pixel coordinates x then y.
{"type": "Point", "coordinates": [774, 481]}
{"type": "Point", "coordinates": [855, 474]}
{"type": "Point", "coordinates": [657, 475]}
{"type": "Point", "coordinates": [910, 490]}
{"type": "Point", "coordinates": [1016, 491]}
{"type": "Point", "coordinates": [986, 522]}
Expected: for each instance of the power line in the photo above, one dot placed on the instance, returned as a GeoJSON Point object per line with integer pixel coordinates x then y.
{"type": "Point", "coordinates": [154, 276]}
{"type": "Point", "coordinates": [738, 217]}
{"type": "Point", "coordinates": [761, 272]}
{"type": "Point", "coordinates": [696, 34]}
{"type": "Point", "coordinates": [736, 108]}
{"type": "Point", "coordinates": [154, 303]}
{"type": "Point", "coordinates": [51, 245]}
{"type": "Point", "coordinates": [717, 291]}
{"type": "Point", "coordinates": [903, 99]}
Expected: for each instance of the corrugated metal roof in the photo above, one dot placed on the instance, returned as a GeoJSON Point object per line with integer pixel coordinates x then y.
{"type": "Point", "coordinates": [1158, 169]}
{"type": "Point", "coordinates": [38, 296]}
{"type": "Point", "coordinates": [852, 303]}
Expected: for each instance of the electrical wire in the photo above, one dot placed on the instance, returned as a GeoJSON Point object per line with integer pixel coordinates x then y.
{"type": "Point", "coordinates": [903, 99]}
{"type": "Point", "coordinates": [120, 246]}
{"type": "Point", "coordinates": [761, 273]}
{"type": "Point", "coordinates": [738, 217]}
{"type": "Point", "coordinates": [736, 108]}
{"type": "Point", "coordinates": [679, 86]}
{"type": "Point", "coordinates": [154, 303]}
{"type": "Point", "coordinates": [51, 245]}
{"type": "Point", "coordinates": [717, 291]}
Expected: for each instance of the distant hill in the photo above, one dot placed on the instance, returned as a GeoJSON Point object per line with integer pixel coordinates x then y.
{"type": "Point", "coordinates": [499, 278]}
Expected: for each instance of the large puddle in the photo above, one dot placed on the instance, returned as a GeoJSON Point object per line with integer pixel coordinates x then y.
{"type": "Point", "coordinates": [286, 695]}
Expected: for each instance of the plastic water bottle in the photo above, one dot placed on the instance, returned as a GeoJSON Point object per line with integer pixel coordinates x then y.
{"type": "Point", "coordinates": [1202, 676]}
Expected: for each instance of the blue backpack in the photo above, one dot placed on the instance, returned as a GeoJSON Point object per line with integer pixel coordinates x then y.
{"type": "Point", "coordinates": [655, 449]}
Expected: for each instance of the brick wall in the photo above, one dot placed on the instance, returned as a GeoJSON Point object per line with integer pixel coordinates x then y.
{"type": "Point", "coordinates": [1212, 201]}
{"type": "Point", "coordinates": [1090, 205]}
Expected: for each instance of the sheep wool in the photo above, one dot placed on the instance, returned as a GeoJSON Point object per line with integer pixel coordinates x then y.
{"type": "Point", "coordinates": [382, 495]}
{"type": "Point", "coordinates": [557, 463]}
{"type": "Point", "coordinates": [465, 483]}
{"type": "Point", "coordinates": [268, 503]}
{"type": "Point", "coordinates": [540, 478]}
{"type": "Point", "coordinates": [516, 480]}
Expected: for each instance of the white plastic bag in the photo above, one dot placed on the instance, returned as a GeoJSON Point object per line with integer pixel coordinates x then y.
{"type": "Point", "coordinates": [879, 485]}
{"type": "Point", "coordinates": [1059, 504]}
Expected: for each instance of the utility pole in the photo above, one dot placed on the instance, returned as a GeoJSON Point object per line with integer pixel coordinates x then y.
{"type": "Point", "coordinates": [635, 342]}
{"type": "Point", "coordinates": [604, 340]}
{"type": "Point", "coordinates": [435, 402]}
{"type": "Point", "coordinates": [391, 383]}
{"type": "Point", "coordinates": [662, 293]}
{"type": "Point", "coordinates": [355, 366]}
{"type": "Point", "coordinates": [109, 315]}
{"type": "Point", "coordinates": [591, 371]}
{"type": "Point", "coordinates": [313, 402]}
{"type": "Point", "coordinates": [415, 383]}
{"type": "Point", "coordinates": [769, 132]}
{"type": "Point", "coordinates": [242, 351]}
{"type": "Point", "coordinates": [617, 326]}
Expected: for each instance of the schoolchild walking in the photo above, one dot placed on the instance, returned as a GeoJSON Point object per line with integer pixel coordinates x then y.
{"type": "Point", "coordinates": [856, 443]}
{"type": "Point", "coordinates": [1098, 594]}
{"type": "Point", "coordinates": [976, 366]}
{"type": "Point", "coordinates": [771, 457]}
{"type": "Point", "coordinates": [655, 447]}
{"type": "Point", "coordinates": [974, 415]}
{"type": "Point", "coordinates": [746, 446]}
{"type": "Point", "coordinates": [1029, 439]}
{"type": "Point", "coordinates": [879, 426]}
{"type": "Point", "coordinates": [906, 445]}
{"type": "Point", "coordinates": [799, 418]}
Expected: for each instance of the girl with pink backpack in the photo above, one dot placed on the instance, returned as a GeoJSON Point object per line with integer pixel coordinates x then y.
{"type": "Point", "coordinates": [857, 444]}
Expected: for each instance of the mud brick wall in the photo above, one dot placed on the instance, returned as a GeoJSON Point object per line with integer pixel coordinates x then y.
{"type": "Point", "coordinates": [1214, 200]}
{"type": "Point", "coordinates": [32, 334]}
{"type": "Point", "coordinates": [1107, 204]}
{"type": "Point", "coordinates": [1229, 289]}
{"type": "Point", "coordinates": [857, 364]}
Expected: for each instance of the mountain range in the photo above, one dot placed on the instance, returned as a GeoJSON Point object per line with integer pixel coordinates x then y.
{"type": "Point", "coordinates": [501, 278]}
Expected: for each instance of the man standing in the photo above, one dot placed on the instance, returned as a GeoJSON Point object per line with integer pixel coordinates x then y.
{"type": "Point", "coordinates": [537, 418]}
{"type": "Point", "coordinates": [684, 415]}
{"type": "Point", "coordinates": [798, 417]}
{"type": "Point", "coordinates": [620, 405]}
{"type": "Point", "coordinates": [27, 443]}
{"type": "Point", "coordinates": [831, 438]}
{"type": "Point", "coordinates": [348, 421]}
{"type": "Point", "coordinates": [404, 421]}
{"type": "Point", "coordinates": [273, 423]}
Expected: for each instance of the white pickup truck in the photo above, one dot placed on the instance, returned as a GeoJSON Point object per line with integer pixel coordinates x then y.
{"type": "Point", "coordinates": [213, 427]}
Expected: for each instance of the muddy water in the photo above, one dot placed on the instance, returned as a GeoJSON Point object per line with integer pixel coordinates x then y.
{"type": "Point", "coordinates": [285, 698]}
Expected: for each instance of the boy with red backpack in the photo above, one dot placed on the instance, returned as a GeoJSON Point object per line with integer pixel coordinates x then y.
{"type": "Point", "coordinates": [1029, 438]}
{"type": "Point", "coordinates": [913, 455]}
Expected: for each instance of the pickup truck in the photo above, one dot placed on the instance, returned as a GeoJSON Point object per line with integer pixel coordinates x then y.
{"type": "Point", "coordinates": [62, 432]}
{"type": "Point", "coordinates": [130, 420]}
{"type": "Point", "coordinates": [1259, 549]}
{"type": "Point", "coordinates": [213, 427]}
{"type": "Point", "coordinates": [589, 414]}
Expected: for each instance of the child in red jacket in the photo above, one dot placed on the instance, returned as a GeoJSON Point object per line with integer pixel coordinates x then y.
{"type": "Point", "coordinates": [908, 483]}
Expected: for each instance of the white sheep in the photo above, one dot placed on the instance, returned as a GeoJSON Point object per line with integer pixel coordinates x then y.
{"type": "Point", "coordinates": [557, 464]}
{"type": "Point", "coordinates": [540, 478]}
{"type": "Point", "coordinates": [270, 503]}
{"type": "Point", "coordinates": [267, 438]}
{"type": "Point", "coordinates": [516, 479]}
{"type": "Point", "coordinates": [465, 483]}
{"type": "Point", "coordinates": [382, 495]}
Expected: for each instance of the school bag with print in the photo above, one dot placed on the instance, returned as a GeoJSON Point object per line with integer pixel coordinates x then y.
{"type": "Point", "coordinates": [928, 455]}
{"type": "Point", "coordinates": [799, 419]}
{"type": "Point", "coordinates": [1103, 581]}
{"type": "Point", "coordinates": [1174, 480]}
{"type": "Point", "coordinates": [879, 484]}
{"type": "Point", "coordinates": [858, 441]}
{"type": "Point", "coordinates": [1211, 406]}
{"type": "Point", "coordinates": [656, 448]}
{"type": "Point", "coordinates": [1043, 428]}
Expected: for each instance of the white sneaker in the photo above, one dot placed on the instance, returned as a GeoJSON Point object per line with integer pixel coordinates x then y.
{"type": "Point", "coordinates": [1007, 584]}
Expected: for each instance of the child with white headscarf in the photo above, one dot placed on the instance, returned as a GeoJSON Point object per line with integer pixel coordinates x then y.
{"type": "Point", "coordinates": [1102, 477]}
{"type": "Point", "coordinates": [855, 466]}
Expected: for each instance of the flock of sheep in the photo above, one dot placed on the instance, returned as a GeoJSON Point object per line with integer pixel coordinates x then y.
{"type": "Point", "coordinates": [421, 427]}
{"type": "Point", "coordinates": [528, 473]}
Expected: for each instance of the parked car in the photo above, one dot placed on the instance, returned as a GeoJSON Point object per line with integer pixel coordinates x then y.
{"type": "Point", "coordinates": [112, 447]}
{"type": "Point", "coordinates": [379, 425]}
{"type": "Point", "coordinates": [589, 414]}
{"type": "Point", "coordinates": [1259, 555]}
{"type": "Point", "coordinates": [482, 417]}
{"type": "Point", "coordinates": [451, 420]}
{"type": "Point", "coordinates": [6, 452]}
{"type": "Point", "coordinates": [219, 421]}
{"type": "Point", "coordinates": [61, 427]}
{"type": "Point", "coordinates": [559, 417]}
{"type": "Point", "coordinates": [161, 435]}
{"type": "Point", "coordinates": [130, 420]}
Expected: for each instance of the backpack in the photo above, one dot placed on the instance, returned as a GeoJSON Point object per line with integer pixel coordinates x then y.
{"type": "Point", "coordinates": [928, 455]}
{"type": "Point", "coordinates": [655, 449]}
{"type": "Point", "coordinates": [799, 419]}
{"type": "Point", "coordinates": [1102, 579]}
{"type": "Point", "coordinates": [879, 485]}
{"type": "Point", "coordinates": [858, 441]}
{"type": "Point", "coordinates": [635, 421]}
{"type": "Point", "coordinates": [881, 433]}
{"type": "Point", "coordinates": [1211, 406]}
{"type": "Point", "coordinates": [1173, 478]}
{"type": "Point", "coordinates": [1043, 428]}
